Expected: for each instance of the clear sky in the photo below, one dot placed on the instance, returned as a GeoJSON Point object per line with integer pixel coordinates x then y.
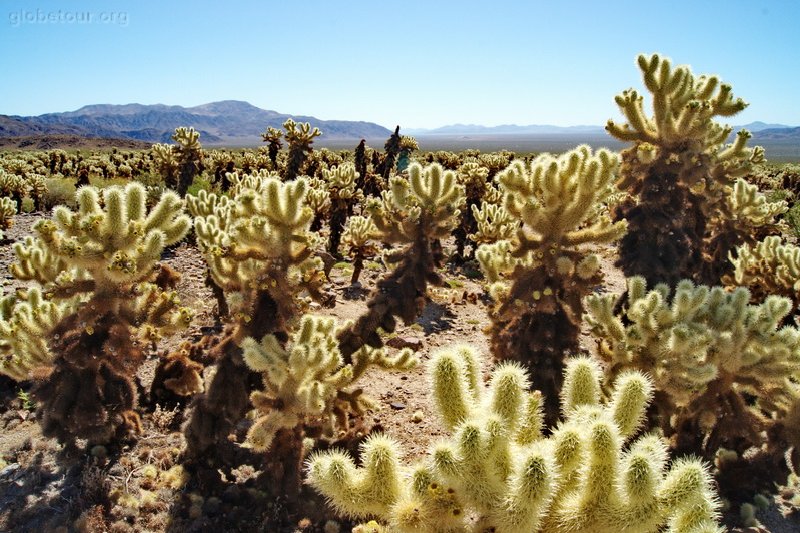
{"type": "Point", "coordinates": [408, 62]}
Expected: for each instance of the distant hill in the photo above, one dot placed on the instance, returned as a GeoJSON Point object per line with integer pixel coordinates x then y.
{"type": "Point", "coordinates": [68, 142]}
{"type": "Point", "coordinates": [538, 129]}
{"type": "Point", "coordinates": [505, 129]}
{"type": "Point", "coordinates": [785, 133]}
{"type": "Point", "coordinates": [229, 122]}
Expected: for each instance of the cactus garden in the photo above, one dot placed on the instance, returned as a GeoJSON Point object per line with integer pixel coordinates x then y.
{"type": "Point", "coordinates": [386, 339]}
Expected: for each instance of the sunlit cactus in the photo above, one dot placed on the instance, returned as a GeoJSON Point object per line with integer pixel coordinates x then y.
{"type": "Point", "coordinates": [8, 208]}
{"type": "Point", "coordinates": [415, 214]}
{"type": "Point", "coordinates": [26, 321]}
{"type": "Point", "coordinates": [272, 137]}
{"type": "Point", "coordinates": [769, 267]}
{"type": "Point", "coordinates": [165, 163]}
{"type": "Point", "coordinates": [261, 256]}
{"type": "Point", "coordinates": [540, 275]}
{"type": "Point", "coordinates": [343, 194]}
{"type": "Point", "coordinates": [473, 176]}
{"type": "Point", "coordinates": [710, 354]}
{"type": "Point", "coordinates": [360, 238]}
{"type": "Point", "coordinates": [747, 216]}
{"type": "Point", "coordinates": [306, 382]}
{"type": "Point", "coordinates": [188, 154]}
{"type": "Point", "coordinates": [104, 255]}
{"type": "Point", "coordinates": [299, 137]}
{"type": "Point", "coordinates": [498, 472]}
{"type": "Point", "coordinates": [678, 171]}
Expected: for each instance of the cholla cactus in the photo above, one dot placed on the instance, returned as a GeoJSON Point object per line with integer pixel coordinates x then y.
{"type": "Point", "coordinates": [747, 216]}
{"type": "Point", "coordinates": [26, 320]}
{"type": "Point", "coordinates": [473, 177]}
{"type": "Point", "coordinates": [306, 382]}
{"type": "Point", "coordinates": [678, 170]}
{"type": "Point", "coordinates": [540, 276]}
{"type": "Point", "coordinates": [166, 164]}
{"type": "Point", "coordinates": [107, 257]}
{"type": "Point", "coordinates": [8, 208]}
{"type": "Point", "coordinates": [709, 353]}
{"type": "Point", "coordinates": [392, 149]}
{"type": "Point", "coordinates": [189, 156]}
{"type": "Point", "coordinates": [261, 257]}
{"type": "Point", "coordinates": [273, 136]}
{"type": "Point", "coordinates": [359, 237]}
{"type": "Point", "coordinates": [497, 472]}
{"type": "Point", "coordinates": [13, 186]}
{"type": "Point", "coordinates": [493, 223]}
{"type": "Point", "coordinates": [299, 137]}
{"type": "Point", "coordinates": [343, 196]}
{"type": "Point", "coordinates": [414, 213]}
{"type": "Point", "coordinates": [769, 267]}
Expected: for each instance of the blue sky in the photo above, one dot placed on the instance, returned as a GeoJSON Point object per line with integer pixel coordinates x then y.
{"type": "Point", "coordinates": [409, 62]}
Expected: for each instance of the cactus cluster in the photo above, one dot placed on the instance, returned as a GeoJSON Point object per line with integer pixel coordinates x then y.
{"type": "Point", "coordinates": [541, 273]}
{"type": "Point", "coordinates": [498, 472]}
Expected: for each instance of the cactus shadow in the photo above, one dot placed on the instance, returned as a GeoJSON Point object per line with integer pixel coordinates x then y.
{"type": "Point", "coordinates": [435, 318]}
{"type": "Point", "coordinates": [39, 496]}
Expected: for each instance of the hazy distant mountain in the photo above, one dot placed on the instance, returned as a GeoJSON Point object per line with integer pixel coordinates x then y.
{"type": "Point", "coordinates": [757, 126]}
{"type": "Point", "coordinates": [778, 133]}
{"type": "Point", "coordinates": [505, 129]}
{"type": "Point", "coordinates": [228, 122]}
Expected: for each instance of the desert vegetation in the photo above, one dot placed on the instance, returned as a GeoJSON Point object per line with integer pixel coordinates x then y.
{"type": "Point", "coordinates": [291, 338]}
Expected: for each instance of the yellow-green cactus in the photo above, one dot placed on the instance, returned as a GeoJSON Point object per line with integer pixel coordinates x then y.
{"type": "Point", "coordinates": [273, 136]}
{"type": "Point", "coordinates": [414, 213]}
{"type": "Point", "coordinates": [105, 255]}
{"type": "Point", "coordinates": [165, 162]}
{"type": "Point", "coordinates": [493, 223]}
{"type": "Point", "coordinates": [709, 353]}
{"type": "Point", "coordinates": [262, 257]}
{"type": "Point", "coordinates": [26, 321]}
{"type": "Point", "coordinates": [541, 274]}
{"type": "Point", "coordinates": [747, 216]}
{"type": "Point", "coordinates": [8, 208]}
{"type": "Point", "coordinates": [678, 171]}
{"type": "Point", "coordinates": [306, 382]}
{"type": "Point", "coordinates": [188, 154]}
{"type": "Point", "coordinates": [498, 472]}
{"type": "Point", "coordinates": [343, 196]}
{"type": "Point", "coordinates": [299, 137]}
{"type": "Point", "coordinates": [769, 267]}
{"type": "Point", "coordinates": [360, 238]}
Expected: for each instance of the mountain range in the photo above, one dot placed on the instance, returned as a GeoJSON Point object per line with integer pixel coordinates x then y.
{"type": "Point", "coordinates": [538, 129]}
{"type": "Point", "coordinates": [237, 123]}
{"type": "Point", "coordinates": [228, 122]}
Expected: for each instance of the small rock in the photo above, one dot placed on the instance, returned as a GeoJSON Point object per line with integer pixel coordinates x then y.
{"type": "Point", "coordinates": [415, 343]}
{"type": "Point", "coordinates": [397, 406]}
{"type": "Point", "coordinates": [9, 470]}
{"type": "Point", "coordinates": [417, 417]}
